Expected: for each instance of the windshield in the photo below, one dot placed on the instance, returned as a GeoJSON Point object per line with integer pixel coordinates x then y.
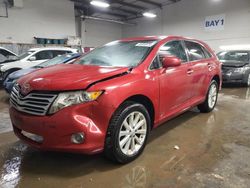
{"type": "Point", "coordinates": [240, 56]}
{"type": "Point", "coordinates": [118, 54]}
{"type": "Point", "coordinates": [57, 60]}
{"type": "Point", "coordinates": [26, 54]}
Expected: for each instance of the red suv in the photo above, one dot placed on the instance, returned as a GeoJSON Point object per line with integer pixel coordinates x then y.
{"type": "Point", "coordinates": [112, 97]}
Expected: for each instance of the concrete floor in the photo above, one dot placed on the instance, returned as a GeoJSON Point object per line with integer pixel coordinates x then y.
{"type": "Point", "coordinates": [214, 152]}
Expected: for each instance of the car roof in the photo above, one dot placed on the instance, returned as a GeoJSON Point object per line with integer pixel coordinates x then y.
{"type": "Point", "coordinates": [51, 48]}
{"type": "Point", "coordinates": [159, 38]}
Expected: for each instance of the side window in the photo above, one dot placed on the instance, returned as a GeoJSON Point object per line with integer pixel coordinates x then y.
{"type": "Point", "coordinates": [195, 51]}
{"type": "Point", "coordinates": [174, 48]}
{"type": "Point", "coordinates": [46, 54]}
{"type": "Point", "coordinates": [59, 52]}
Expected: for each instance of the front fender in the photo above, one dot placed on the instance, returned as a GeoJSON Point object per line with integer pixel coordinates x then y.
{"type": "Point", "coordinates": [119, 89]}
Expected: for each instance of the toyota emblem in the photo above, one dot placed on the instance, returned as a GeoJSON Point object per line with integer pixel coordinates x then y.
{"type": "Point", "coordinates": [25, 89]}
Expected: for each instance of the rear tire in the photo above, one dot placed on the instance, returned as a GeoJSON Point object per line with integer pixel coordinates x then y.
{"type": "Point", "coordinates": [247, 83]}
{"type": "Point", "coordinates": [127, 132]}
{"type": "Point", "coordinates": [211, 98]}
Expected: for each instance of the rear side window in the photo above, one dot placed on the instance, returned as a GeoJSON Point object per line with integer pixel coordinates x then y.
{"type": "Point", "coordinates": [206, 52]}
{"type": "Point", "coordinates": [196, 51]}
{"type": "Point", "coordinates": [60, 52]}
{"type": "Point", "coordinates": [174, 48]}
{"type": "Point", "coordinates": [46, 54]}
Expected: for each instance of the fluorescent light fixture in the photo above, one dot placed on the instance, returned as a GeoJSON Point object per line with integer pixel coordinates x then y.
{"type": "Point", "coordinates": [102, 4]}
{"type": "Point", "coordinates": [149, 14]}
{"type": "Point", "coordinates": [236, 47]}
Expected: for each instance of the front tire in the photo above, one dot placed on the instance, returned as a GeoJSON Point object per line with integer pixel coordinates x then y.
{"type": "Point", "coordinates": [211, 98]}
{"type": "Point", "coordinates": [127, 133]}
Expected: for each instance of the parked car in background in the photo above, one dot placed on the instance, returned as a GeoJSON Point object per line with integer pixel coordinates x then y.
{"type": "Point", "coordinates": [7, 56]}
{"type": "Point", "coordinates": [235, 66]}
{"type": "Point", "coordinates": [11, 79]}
{"type": "Point", "coordinates": [32, 58]}
{"type": "Point", "coordinates": [111, 98]}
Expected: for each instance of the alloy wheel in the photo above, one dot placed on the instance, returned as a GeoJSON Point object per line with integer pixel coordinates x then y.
{"type": "Point", "coordinates": [132, 133]}
{"type": "Point", "coordinates": [212, 96]}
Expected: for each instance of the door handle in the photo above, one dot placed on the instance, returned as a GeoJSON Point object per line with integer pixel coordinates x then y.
{"type": "Point", "coordinates": [210, 66]}
{"type": "Point", "coordinates": [190, 71]}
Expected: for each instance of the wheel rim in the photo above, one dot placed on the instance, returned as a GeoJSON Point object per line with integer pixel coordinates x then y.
{"type": "Point", "coordinates": [132, 133]}
{"type": "Point", "coordinates": [212, 96]}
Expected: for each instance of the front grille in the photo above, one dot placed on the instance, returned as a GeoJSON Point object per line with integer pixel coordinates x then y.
{"type": "Point", "coordinates": [34, 103]}
{"type": "Point", "coordinates": [226, 68]}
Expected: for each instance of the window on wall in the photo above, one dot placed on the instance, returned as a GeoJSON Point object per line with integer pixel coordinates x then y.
{"type": "Point", "coordinates": [174, 48]}
{"type": "Point", "coordinates": [195, 51]}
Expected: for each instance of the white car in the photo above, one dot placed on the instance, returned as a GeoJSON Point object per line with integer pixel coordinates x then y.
{"type": "Point", "coordinates": [32, 58]}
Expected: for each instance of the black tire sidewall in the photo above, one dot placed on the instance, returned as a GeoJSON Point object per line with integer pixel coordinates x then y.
{"type": "Point", "coordinates": [120, 156]}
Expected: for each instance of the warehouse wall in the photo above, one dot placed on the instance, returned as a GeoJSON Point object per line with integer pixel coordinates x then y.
{"type": "Point", "coordinates": [41, 18]}
{"type": "Point", "coordinates": [96, 33]}
{"type": "Point", "coordinates": [187, 18]}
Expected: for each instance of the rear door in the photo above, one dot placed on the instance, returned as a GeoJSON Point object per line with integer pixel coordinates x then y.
{"type": "Point", "coordinates": [175, 86]}
{"type": "Point", "coordinates": [42, 56]}
{"type": "Point", "coordinates": [60, 52]}
{"type": "Point", "coordinates": [200, 66]}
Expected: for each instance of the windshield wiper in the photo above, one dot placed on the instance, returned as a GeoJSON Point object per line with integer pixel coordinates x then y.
{"type": "Point", "coordinates": [130, 68]}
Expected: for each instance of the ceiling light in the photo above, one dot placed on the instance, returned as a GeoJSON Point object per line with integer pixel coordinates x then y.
{"type": "Point", "coordinates": [102, 4]}
{"type": "Point", "coordinates": [149, 14]}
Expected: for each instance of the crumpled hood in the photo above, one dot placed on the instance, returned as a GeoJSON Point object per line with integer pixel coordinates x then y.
{"type": "Point", "coordinates": [233, 63]}
{"type": "Point", "coordinates": [68, 77]}
{"type": "Point", "coordinates": [17, 74]}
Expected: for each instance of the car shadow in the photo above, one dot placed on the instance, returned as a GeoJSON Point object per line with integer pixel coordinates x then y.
{"type": "Point", "coordinates": [233, 85]}
{"type": "Point", "coordinates": [4, 97]}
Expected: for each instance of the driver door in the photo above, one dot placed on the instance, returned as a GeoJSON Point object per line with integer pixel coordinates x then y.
{"type": "Point", "coordinates": [175, 82]}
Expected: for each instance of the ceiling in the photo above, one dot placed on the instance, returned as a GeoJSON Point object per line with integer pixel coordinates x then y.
{"type": "Point", "coordinates": [121, 10]}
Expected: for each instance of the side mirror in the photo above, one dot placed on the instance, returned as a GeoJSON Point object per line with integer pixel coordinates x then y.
{"type": "Point", "coordinates": [32, 58]}
{"type": "Point", "coordinates": [171, 61]}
